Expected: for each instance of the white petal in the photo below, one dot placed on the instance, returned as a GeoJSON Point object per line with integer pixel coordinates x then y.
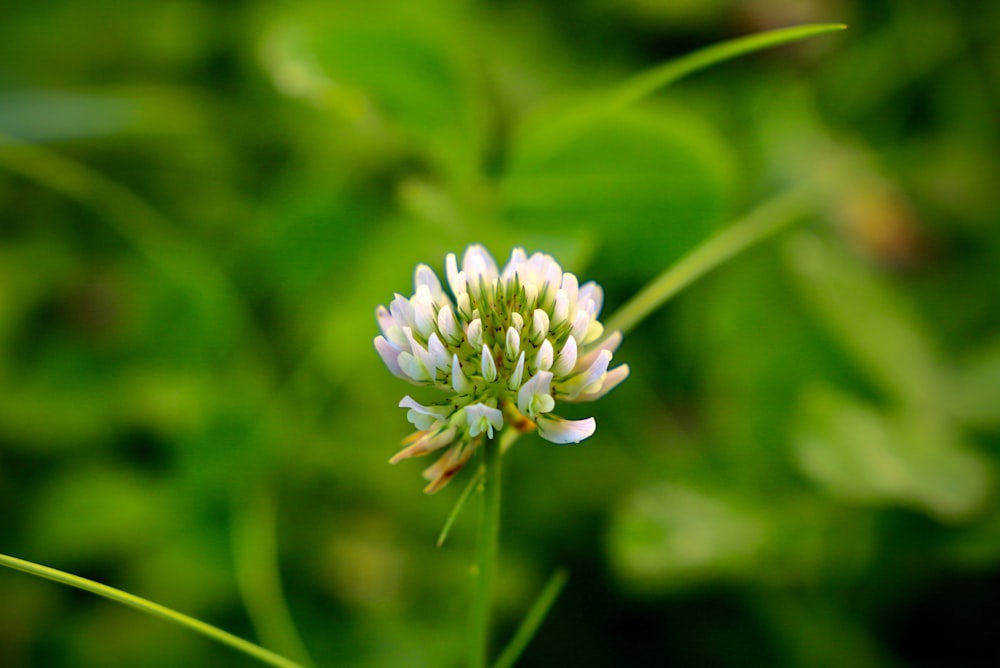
{"type": "Point", "coordinates": [517, 321]}
{"type": "Point", "coordinates": [459, 382]}
{"type": "Point", "coordinates": [423, 417]}
{"type": "Point", "coordinates": [475, 334]}
{"type": "Point", "coordinates": [534, 397]}
{"type": "Point", "coordinates": [539, 326]}
{"type": "Point", "coordinates": [412, 367]}
{"type": "Point", "coordinates": [518, 258]}
{"type": "Point", "coordinates": [423, 311]}
{"type": "Point", "coordinates": [438, 353]}
{"type": "Point", "coordinates": [571, 287]}
{"type": "Point", "coordinates": [545, 356]}
{"type": "Point", "coordinates": [560, 312]}
{"type": "Point", "coordinates": [557, 430]}
{"type": "Point", "coordinates": [424, 275]}
{"type": "Point", "coordinates": [448, 326]}
{"type": "Point", "coordinates": [581, 323]}
{"type": "Point", "coordinates": [483, 418]}
{"type": "Point", "coordinates": [479, 266]}
{"type": "Point", "coordinates": [421, 353]}
{"type": "Point", "coordinates": [567, 358]}
{"type": "Point", "coordinates": [488, 366]}
{"type": "Point", "coordinates": [514, 382]}
{"type": "Point", "coordinates": [575, 385]}
{"type": "Point", "coordinates": [456, 279]}
{"type": "Point", "coordinates": [513, 344]}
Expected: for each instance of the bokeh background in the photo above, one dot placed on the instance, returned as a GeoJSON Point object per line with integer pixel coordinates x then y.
{"type": "Point", "coordinates": [201, 204]}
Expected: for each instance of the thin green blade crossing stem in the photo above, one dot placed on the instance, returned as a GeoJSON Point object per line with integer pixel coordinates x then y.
{"type": "Point", "coordinates": [533, 620]}
{"type": "Point", "coordinates": [761, 223]}
{"type": "Point", "coordinates": [155, 609]}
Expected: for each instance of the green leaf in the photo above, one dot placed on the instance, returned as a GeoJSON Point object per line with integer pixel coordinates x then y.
{"type": "Point", "coordinates": [975, 398]}
{"type": "Point", "coordinates": [870, 319]}
{"type": "Point", "coordinates": [858, 453]}
{"type": "Point", "coordinates": [669, 535]}
{"type": "Point", "coordinates": [649, 185]}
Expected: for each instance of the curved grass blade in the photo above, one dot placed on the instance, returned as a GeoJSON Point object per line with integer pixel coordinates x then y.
{"type": "Point", "coordinates": [533, 620]}
{"type": "Point", "coordinates": [642, 85]}
{"type": "Point", "coordinates": [154, 609]}
{"type": "Point", "coordinates": [258, 575]}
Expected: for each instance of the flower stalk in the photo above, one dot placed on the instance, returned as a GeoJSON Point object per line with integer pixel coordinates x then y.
{"type": "Point", "coordinates": [486, 556]}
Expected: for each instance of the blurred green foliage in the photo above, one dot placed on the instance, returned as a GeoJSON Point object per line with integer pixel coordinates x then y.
{"type": "Point", "coordinates": [202, 203]}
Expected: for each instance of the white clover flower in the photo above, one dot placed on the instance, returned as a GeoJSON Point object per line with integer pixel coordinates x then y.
{"type": "Point", "coordinates": [506, 346]}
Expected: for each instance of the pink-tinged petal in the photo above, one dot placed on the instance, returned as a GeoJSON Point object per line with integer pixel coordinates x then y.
{"type": "Point", "coordinates": [566, 361]}
{"type": "Point", "coordinates": [390, 355]}
{"type": "Point", "coordinates": [389, 327]}
{"type": "Point", "coordinates": [557, 430]}
{"type": "Point", "coordinates": [610, 344]}
{"type": "Point", "coordinates": [575, 385]}
{"type": "Point", "coordinates": [402, 311]}
{"type": "Point", "coordinates": [611, 380]}
{"type": "Point", "coordinates": [592, 291]}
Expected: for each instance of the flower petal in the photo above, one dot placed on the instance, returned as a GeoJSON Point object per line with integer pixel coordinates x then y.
{"type": "Point", "coordinates": [390, 355]}
{"type": "Point", "coordinates": [535, 396]}
{"type": "Point", "coordinates": [482, 418]}
{"type": "Point", "coordinates": [611, 380]}
{"type": "Point", "coordinates": [567, 358]}
{"type": "Point", "coordinates": [569, 389]}
{"type": "Point", "coordinates": [558, 430]}
{"type": "Point", "coordinates": [459, 382]}
{"type": "Point", "coordinates": [488, 366]}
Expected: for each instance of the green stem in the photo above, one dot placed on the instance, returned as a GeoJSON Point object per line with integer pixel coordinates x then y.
{"type": "Point", "coordinates": [486, 556]}
{"type": "Point", "coordinates": [761, 223]}
{"type": "Point", "coordinates": [258, 574]}
{"type": "Point", "coordinates": [119, 596]}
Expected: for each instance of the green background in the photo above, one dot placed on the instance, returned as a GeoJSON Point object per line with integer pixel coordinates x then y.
{"type": "Point", "coordinates": [201, 205]}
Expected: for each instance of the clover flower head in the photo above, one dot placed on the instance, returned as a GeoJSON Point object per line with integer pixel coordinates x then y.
{"type": "Point", "coordinates": [505, 346]}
